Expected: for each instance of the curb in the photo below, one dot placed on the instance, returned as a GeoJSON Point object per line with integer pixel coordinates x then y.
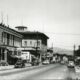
{"type": "Point", "coordinates": [2, 68]}
{"type": "Point", "coordinates": [10, 67]}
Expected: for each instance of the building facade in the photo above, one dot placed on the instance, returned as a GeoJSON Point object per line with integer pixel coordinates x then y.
{"type": "Point", "coordinates": [34, 42]}
{"type": "Point", "coordinates": [9, 41]}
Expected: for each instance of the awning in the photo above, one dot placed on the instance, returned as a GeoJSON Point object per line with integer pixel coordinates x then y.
{"type": "Point", "coordinates": [11, 48]}
{"type": "Point", "coordinates": [14, 56]}
{"type": "Point", "coordinates": [25, 49]}
{"type": "Point", "coordinates": [3, 47]}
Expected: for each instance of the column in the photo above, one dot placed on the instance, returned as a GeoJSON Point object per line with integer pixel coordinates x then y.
{"type": "Point", "coordinates": [40, 58]}
{"type": "Point", "coordinates": [1, 54]}
{"type": "Point", "coordinates": [5, 55]}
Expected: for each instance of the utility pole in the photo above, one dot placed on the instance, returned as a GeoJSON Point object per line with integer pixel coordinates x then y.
{"type": "Point", "coordinates": [74, 50]}
{"type": "Point", "coordinates": [37, 46]}
{"type": "Point", "coordinates": [52, 46]}
{"type": "Point", "coordinates": [37, 43]}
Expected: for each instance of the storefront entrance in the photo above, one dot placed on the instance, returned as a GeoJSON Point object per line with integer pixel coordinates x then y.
{"type": "Point", "coordinates": [2, 53]}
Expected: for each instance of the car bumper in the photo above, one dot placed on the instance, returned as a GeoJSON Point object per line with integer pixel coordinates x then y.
{"type": "Point", "coordinates": [71, 66]}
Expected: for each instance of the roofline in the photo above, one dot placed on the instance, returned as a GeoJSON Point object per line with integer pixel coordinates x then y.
{"type": "Point", "coordinates": [29, 32]}
{"type": "Point", "coordinates": [6, 28]}
{"type": "Point", "coordinates": [20, 27]}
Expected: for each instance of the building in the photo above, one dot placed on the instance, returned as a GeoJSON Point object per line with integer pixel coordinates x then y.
{"type": "Point", "coordinates": [33, 41]}
{"type": "Point", "coordinates": [49, 54]}
{"type": "Point", "coordinates": [76, 57]}
{"type": "Point", "coordinates": [77, 52]}
{"type": "Point", "coordinates": [9, 41]}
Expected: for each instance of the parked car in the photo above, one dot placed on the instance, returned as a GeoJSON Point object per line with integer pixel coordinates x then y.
{"type": "Point", "coordinates": [3, 63]}
{"type": "Point", "coordinates": [62, 62]}
{"type": "Point", "coordinates": [77, 69]}
{"type": "Point", "coordinates": [35, 63]}
{"type": "Point", "coordinates": [77, 65]}
{"type": "Point", "coordinates": [19, 64]}
{"type": "Point", "coordinates": [71, 64]}
{"type": "Point", "coordinates": [45, 62]}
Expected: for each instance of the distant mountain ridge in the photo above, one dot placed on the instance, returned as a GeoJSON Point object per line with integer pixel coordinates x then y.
{"type": "Point", "coordinates": [62, 51]}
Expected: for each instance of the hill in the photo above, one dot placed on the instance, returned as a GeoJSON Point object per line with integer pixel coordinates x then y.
{"type": "Point", "coordinates": [62, 51]}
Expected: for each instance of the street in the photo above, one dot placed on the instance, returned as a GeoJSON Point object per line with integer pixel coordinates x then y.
{"type": "Point", "coordinates": [51, 71]}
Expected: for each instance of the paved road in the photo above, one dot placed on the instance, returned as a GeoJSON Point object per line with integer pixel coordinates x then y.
{"type": "Point", "coordinates": [52, 71]}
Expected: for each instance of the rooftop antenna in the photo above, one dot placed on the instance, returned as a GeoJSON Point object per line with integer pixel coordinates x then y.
{"type": "Point", "coordinates": [43, 27]}
{"type": "Point", "coordinates": [52, 45]}
{"type": "Point", "coordinates": [2, 17]}
{"type": "Point", "coordinates": [7, 21]}
{"type": "Point", "coordinates": [22, 21]}
{"type": "Point", "coordinates": [74, 50]}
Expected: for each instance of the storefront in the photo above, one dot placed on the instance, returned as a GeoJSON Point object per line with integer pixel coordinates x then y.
{"type": "Point", "coordinates": [9, 54]}
{"type": "Point", "coordinates": [3, 53]}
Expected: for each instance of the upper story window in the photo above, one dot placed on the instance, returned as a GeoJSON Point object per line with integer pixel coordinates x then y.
{"type": "Point", "coordinates": [39, 43]}
{"type": "Point", "coordinates": [21, 29]}
{"type": "Point", "coordinates": [25, 43]}
{"type": "Point", "coordinates": [30, 42]}
{"type": "Point", "coordinates": [4, 38]}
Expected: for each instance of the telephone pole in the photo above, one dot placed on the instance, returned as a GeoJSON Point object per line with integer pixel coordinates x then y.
{"type": "Point", "coordinates": [37, 43]}
{"type": "Point", "coordinates": [74, 52]}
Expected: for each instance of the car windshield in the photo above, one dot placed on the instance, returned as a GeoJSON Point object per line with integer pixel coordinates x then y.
{"type": "Point", "coordinates": [19, 62]}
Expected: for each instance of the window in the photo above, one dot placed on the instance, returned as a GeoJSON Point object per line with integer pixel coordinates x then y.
{"type": "Point", "coordinates": [4, 38]}
{"type": "Point", "coordinates": [30, 42]}
{"type": "Point", "coordinates": [21, 29]}
{"type": "Point", "coordinates": [25, 43]}
{"type": "Point", "coordinates": [39, 43]}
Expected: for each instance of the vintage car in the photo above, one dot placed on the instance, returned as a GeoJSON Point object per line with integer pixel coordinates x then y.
{"type": "Point", "coordinates": [19, 64]}
{"type": "Point", "coordinates": [45, 62]}
{"type": "Point", "coordinates": [35, 63]}
{"type": "Point", "coordinates": [71, 64]}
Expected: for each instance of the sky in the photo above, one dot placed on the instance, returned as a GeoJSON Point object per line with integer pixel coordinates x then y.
{"type": "Point", "coordinates": [58, 19]}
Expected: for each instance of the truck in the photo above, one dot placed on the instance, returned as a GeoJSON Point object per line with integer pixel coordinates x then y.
{"type": "Point", "coordinates": [77, 64]}
{"type": "Point", "coordinates": [71, 62]}
{"type": "Point", "coordinates": [77, 60]}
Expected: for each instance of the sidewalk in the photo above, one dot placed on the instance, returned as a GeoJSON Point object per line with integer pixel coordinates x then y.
{"type": "Point", "coordinates": [6, 67]}
{"type": "Point", "coordinates": [9, 67]}
{"type": "Point", "coordinates": [2, 68]}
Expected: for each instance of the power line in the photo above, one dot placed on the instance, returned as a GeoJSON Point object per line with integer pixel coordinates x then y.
{"type": "Point", "coordinates": [64, 33]}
